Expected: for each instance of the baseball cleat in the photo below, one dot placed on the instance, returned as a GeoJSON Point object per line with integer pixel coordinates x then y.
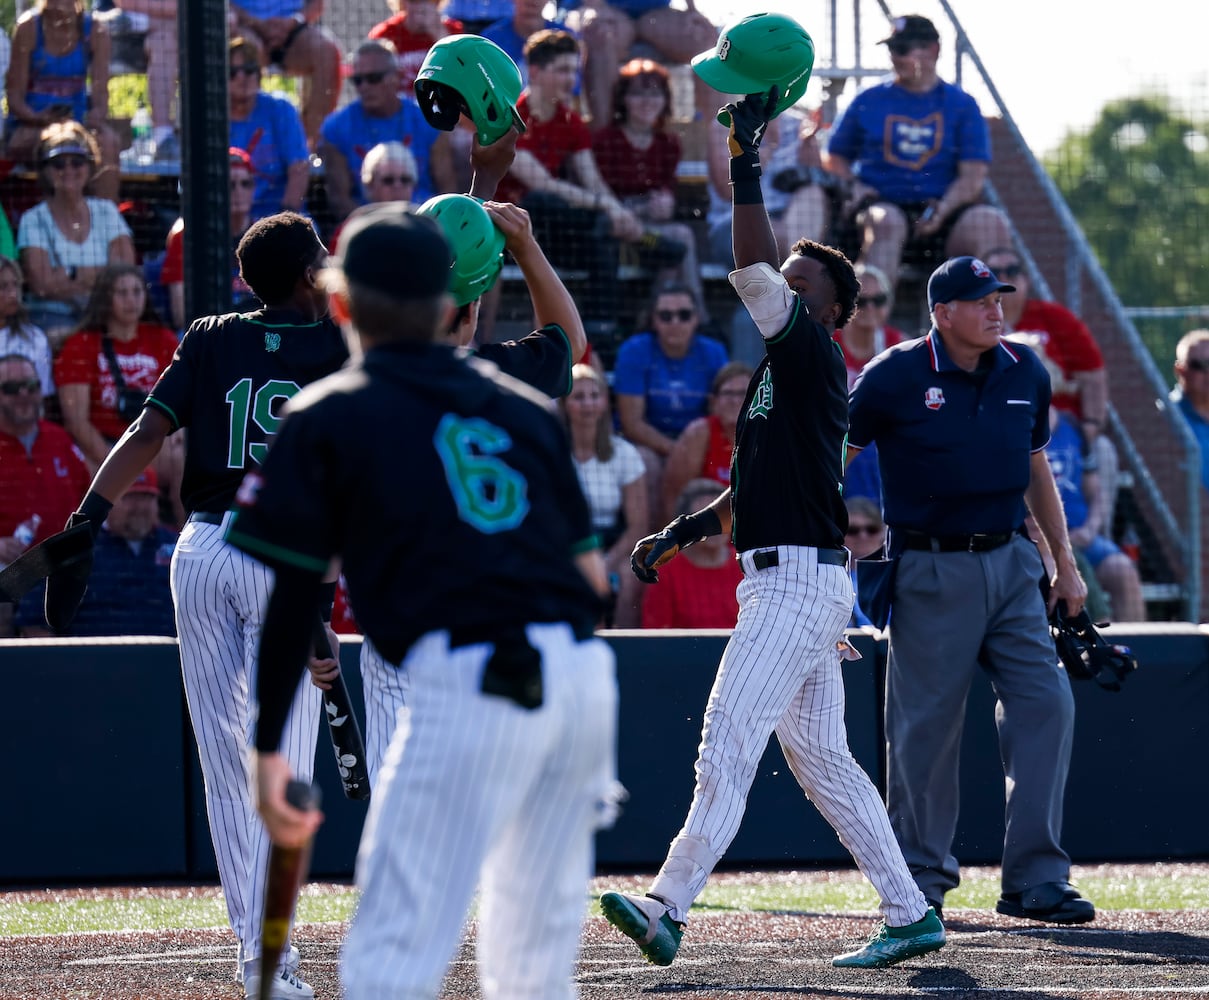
{"type": "Point", "coordinates": [645, 920]}
{"type": "Point", "coordinates": [1053, 902]}
{"type": "Point", "coordinates": [891, 945]}
{"type": "Point", "coordinates": [286, 986]}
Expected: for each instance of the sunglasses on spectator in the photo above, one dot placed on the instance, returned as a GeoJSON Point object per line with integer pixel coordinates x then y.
{"type": "Point", "coordinates": [17, 386]}
{"type": "Point", "coordinates": [667, 315]}
{"type": "Point", "coordinates": [243, 182]}
{"type": "Point", "coordinates": [1197, 364]}
{"type": "Point", "coordinates": [250, 69]}
{"type": "Point", "coordinates": [879, 300]}
{"type": "Point", "coordinates": [63, 162]}
{"type": "Point", "coordinates": [864, 529]}
{"type": "Point", "coordinates": [1008, 271]}
{"type": "Point", "coordinates": [904, 48]}
{"type": "Point", "coordinates": [390, 180]}
{"type": "Point", "coordinates": [375, 77]}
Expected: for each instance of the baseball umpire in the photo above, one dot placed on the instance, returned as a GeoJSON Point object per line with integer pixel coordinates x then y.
{"type": "Point", "coordinates": [781, 670]}
{"type": "Point", "coordinates": [461, 563]}
{"type": "Point", "coordinates": [226, 384]}
{"type": "Point", "coordinates": [961, 420]}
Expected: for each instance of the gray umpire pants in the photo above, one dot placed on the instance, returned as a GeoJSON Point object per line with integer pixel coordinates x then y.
{"type": "Point", "coordinates": [954, 613]}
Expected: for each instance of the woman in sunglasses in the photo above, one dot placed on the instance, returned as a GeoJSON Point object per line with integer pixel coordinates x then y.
{"type": "Point", "coordinates": [59, 72]}
{"type": "Point", "coordinates": [68, 238]}
{"type": "Point", "coordinates": [172, 274]}
{"type": "Point", "coordinates": [271, 131]}
{"type": "Point", "coordinates": [867, 334]}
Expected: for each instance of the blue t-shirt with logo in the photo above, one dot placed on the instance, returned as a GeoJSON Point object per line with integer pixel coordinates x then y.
{"type": "Point", "coordinates": [272, 135]}
{"type": "Point", "coordinates": [907, 146]}
{"type": "Point", "coordinates": [676, 389]}
{"type": "Point", "coordinates": [354, 133]}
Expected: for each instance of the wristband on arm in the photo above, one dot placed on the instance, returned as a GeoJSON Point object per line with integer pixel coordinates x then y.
{"type": "Point", "coordinates": [689, 529]}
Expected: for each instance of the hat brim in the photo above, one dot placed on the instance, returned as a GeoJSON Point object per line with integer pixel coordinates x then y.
{"type": "Point", "coordinates": [721, 77]}
{"type": "Point", "coordinates": [67, 149]}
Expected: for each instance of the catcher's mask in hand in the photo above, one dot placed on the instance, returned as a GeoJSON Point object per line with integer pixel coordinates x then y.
{"type": "Point", "coordinates": [1085, 654]}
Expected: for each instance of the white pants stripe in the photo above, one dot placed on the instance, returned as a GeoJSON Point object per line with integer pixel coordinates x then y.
{"type": "Point", "coordinates": [220, 596]}
{"type": "Point", "coordinates": [781, 672]}
{"type": "Point", "coordinates": [472, 787]}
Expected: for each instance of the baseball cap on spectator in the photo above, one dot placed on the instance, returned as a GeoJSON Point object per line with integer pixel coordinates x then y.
{"type": "Point", "coordinates": [911, 28]}
{"type": "Point", "coordinates": [377, 240]}
{"type": "Point", "coordinates": [147, 482]}
{"type": "Point", "coordinates": [237, 157]}
{"type": "Point", "coordinates": [963, 279]}
{"type": "Point", "coordinates": [67, 148]}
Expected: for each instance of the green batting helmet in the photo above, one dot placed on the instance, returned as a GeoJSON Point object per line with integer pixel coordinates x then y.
{"type": "Point", "coordinates": [756, 53]}
{"type": "Point", "coordinates": [470, 75]}
{"type": "Point", "coordinates": [478, 247]}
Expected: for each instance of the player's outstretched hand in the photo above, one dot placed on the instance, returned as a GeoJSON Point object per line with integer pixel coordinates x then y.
{"type": "Point", "coordinates": [286, 826]}
{"type": "Point", "coordinates": [652, 552]}
{"type": "Point", "coordinates": [749, 118]}
{"type": "Point", "coordinates": [490, 163]}
{"type": "Point", "coordinates": [513, 222]}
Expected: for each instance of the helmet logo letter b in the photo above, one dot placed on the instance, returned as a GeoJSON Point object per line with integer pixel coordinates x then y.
{"type": "Point", "coordinates": [723, 47]}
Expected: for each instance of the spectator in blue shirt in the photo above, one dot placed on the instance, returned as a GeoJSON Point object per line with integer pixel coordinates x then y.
{"type": "Point", "coordinates": [510, 33]}
{"type": "Point", "coordinates": [476, 15]}
{"type": "Point", "coordinates": [128, 593]}
{"type": "Point", "coordinates": [1191, 394]}
{"type": "Point", "coordinates": [915, 152]}
{"type": "Point", "coordinates": [269, 129]}
{"type": "Point", "coordinates": [380, 114]}
{"type": "Point", "coordinates": [662, 378]}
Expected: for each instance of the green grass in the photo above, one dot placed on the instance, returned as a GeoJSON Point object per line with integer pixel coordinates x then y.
{"type": "Point", "coordinates": [1154, 887]}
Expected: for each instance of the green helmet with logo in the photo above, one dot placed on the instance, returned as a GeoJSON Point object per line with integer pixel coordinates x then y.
{"type": "Point", "coordinates": [477, 245]}
{"type": "Point", "coordinates": [470, 75]}
{"type": "Point", "coordinates": [758, 52]}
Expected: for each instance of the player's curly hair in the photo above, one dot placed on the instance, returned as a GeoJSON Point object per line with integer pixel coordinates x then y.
{"type": "Point", "coordinates": [274, 255]}
{"type": "Point", "coordinates": [839, 269]}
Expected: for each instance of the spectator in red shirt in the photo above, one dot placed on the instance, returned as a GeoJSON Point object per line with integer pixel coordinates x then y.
{"type": "Point", "coordinates": [867, 333]}
{"type": "Point", "coordinates": [41, 471]}
{"type": "Point", "coordinates": [413, 28]}
{"type": "Point", "coordinates": [698, 589]}
{"type": "Point", "coordinates": [554, 177]}
{"type": "Point", "coordinates": [1080, 380]}
{"type": "Point", "coordinates": [172, 275]}
{"type": "Point", "coordinates": [118, 311]}
{"type": "Point", "coordinates": [638, 156]}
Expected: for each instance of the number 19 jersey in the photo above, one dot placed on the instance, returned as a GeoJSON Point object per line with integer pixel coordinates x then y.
{"type": "Point", "coordinates": [228, 381]}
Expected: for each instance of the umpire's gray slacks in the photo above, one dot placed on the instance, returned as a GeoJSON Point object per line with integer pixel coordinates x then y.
{"type": "Point", "coordinates": [952, 613]}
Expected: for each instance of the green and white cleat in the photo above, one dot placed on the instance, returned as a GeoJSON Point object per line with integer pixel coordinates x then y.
{"type": "Point", "coordinates": [891, 945]}
{"type": "Point", "coordinates": [644, 920]}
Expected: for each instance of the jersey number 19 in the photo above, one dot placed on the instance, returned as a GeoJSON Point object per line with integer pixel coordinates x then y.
{"type": "Point", "coordinates": [259, 408]}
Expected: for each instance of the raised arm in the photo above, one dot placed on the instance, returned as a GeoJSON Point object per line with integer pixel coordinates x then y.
{"type": "Point", "coordinates": [751, 230]}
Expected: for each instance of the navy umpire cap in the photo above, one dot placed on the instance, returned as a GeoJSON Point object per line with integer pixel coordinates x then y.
{"type": "Point", "coordinates": [912, 28]}
{"type": "Point", "coordinates": [392, 250]}
{"type": "Point", "coordinates": [963, 279]}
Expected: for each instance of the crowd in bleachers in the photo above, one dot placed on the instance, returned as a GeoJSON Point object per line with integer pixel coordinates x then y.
{"type": "Point", "coordinates": [599, 171]}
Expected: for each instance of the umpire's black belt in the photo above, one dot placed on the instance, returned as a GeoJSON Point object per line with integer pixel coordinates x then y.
{"type": "Point", "coordinates": [920, 542]}
{"type": "Point", "coordinates": [766, 558]}
{"type": "Point", "coordinates": [207, 516]}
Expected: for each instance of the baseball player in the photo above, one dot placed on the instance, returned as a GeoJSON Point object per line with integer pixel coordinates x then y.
{"type": "Point", "coordinates": [961, 421]}
{"type": "Point", "coordinates": [459, 561]}
{"type": "Point", "coordinates": [780, 671]}
{"type": "Point", "coordinates": [543, 359]}
{"type": "Point", "coordinates": [227, 384]}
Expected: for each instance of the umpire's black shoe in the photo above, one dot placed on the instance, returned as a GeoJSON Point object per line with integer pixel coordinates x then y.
{"type": "Point", "coordinates": [1053, 902]}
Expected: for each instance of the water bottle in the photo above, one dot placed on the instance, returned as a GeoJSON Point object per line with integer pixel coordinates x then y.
{"type": "Point", "coordinates": [27, 530]}
{"type": "Point", "coordinates": [142, 144]}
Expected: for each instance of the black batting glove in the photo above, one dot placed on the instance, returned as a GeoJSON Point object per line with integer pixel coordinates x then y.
{"type": "Point", "coordinates": [661, 547]}
{"type": "Point", "coordinates": [749, 118]}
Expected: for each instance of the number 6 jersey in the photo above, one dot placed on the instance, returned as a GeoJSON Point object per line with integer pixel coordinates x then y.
{"type": "Point", "coordinates": [228, 381]}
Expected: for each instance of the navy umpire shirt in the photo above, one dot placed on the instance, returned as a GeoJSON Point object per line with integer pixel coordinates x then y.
{"type": "Point", "coordinates": [953, 446]}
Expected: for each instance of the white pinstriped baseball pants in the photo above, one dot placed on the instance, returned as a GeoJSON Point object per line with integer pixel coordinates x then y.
{"type": "Point", "coordinates": [781, 672]}
{"type": "Point", "coordinates": [475, 786]}
{"type": "Point", "coordinates": [220, 596]}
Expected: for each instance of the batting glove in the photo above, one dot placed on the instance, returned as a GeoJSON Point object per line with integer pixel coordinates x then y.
{"type": "Point", "coordinates": [749, 118]}
{"type": "Point", "coordinates": [655, 550]}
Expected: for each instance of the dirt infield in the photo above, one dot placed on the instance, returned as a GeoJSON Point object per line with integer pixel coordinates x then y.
{"type": "Point", "coordinates": [725, 956]}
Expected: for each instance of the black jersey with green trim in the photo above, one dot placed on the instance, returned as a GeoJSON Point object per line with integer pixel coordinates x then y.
{"type": "Point", "coordinates": [542, 359]}
{"type": "Point", "coordinates": [227, 384]}
{"type": "Point", "coordinates": [472, 526]}
{"type": "Point", "coordinates": [788, 465]}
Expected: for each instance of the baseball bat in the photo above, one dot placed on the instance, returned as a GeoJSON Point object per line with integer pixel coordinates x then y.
{"type": "Point", "coordinates": [286, 869]}
{"type": "Point", "coordinates": [342, 725]}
